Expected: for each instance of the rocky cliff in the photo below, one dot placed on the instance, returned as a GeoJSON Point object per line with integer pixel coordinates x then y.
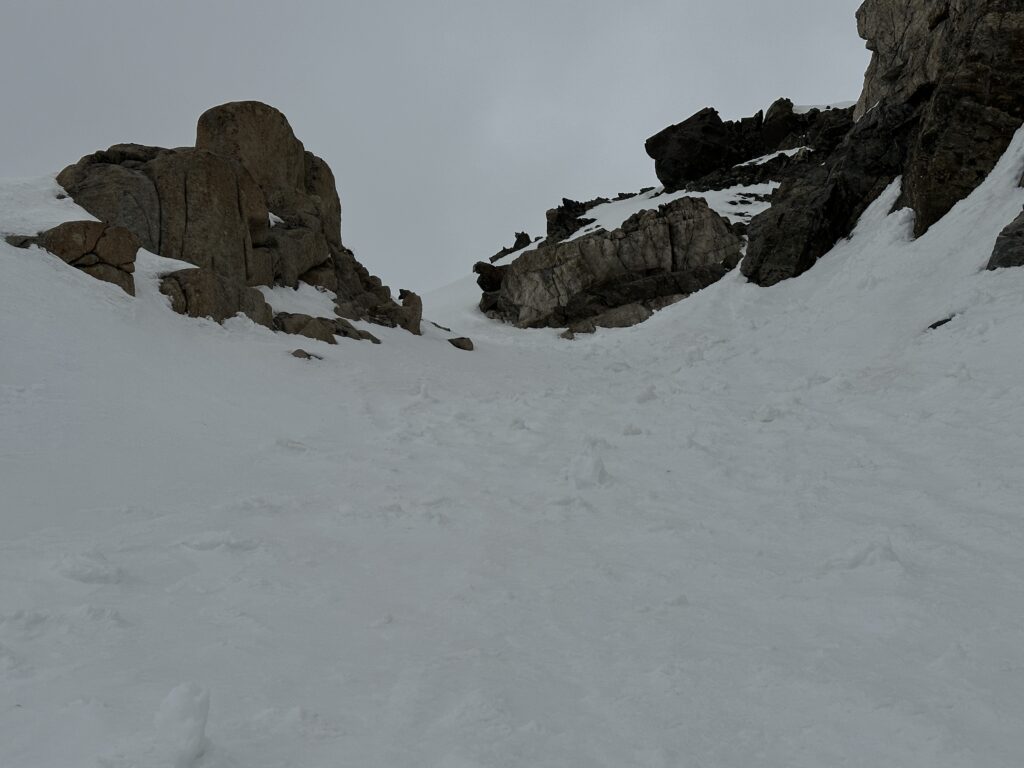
{"type": "Point", "coordinates": [942, 98]}
{"type": "Point", "coordinates": [248, 206]}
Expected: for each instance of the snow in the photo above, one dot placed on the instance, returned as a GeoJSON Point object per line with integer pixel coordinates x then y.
{"type": "Point", "coordinates": [772, 527]}
{"type": "Point", "coordinates": [274, 219]}
{"type": "Point", "coordinates": [734, 203]}
{"type": "Point", "coordinates": [781, 153]}
{"type": "Point", "coordinates": [304, 300]}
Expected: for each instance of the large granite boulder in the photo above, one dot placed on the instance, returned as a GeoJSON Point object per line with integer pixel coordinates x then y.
{"type": "Point", "coordinates": [298, 186]}
{"type": "Point", "coordinates": [260, 138]}
{"type": "Point", "coordinates": [673, 250]}
{"type": "Point", "coordinates": [211, 206]}
{"type": "Point", "coordinates": [943, 96]}
{"type": "Point", "coordinates": [185, 204]}
{"type": "Point", "coordinates": [100, 250]}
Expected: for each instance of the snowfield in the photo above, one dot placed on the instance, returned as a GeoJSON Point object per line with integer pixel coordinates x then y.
{"type": "Point", "coordinates": [778, 527]}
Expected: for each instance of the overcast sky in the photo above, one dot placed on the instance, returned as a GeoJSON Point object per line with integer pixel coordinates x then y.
{"type": "Point", "coordinates": [449, 123]}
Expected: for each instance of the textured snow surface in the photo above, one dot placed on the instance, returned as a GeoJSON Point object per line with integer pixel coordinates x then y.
{"type": "Point", "coordinates": [769, 527]}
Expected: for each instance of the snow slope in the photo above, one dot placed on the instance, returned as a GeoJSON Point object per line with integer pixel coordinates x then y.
{"type": "Point", "coordinates": [769, 527]}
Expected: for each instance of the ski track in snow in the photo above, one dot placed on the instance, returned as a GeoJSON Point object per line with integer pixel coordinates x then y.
{"type": "Point", "coordinates": [769, 527]}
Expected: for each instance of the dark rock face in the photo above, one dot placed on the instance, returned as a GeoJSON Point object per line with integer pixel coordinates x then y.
{"type": "Point", "coordinates": [1009, 249]}
{"type": "Point", "coordinates": [104, 252]}
{"type": "Point", "coordinates": [211, 205]}
{"type": "Point", "coordinates": [490, 276]}
{"type": "Point", "coordinates": [675, 250]}
{"type": "Point", "coordinates": [810, 213]}
{"type": "Point", "coordinates": [963, 61]}
{"type": "Point", "coordinates": [941, 102]}
{"type": "Point", "coordinates": [703, 152]}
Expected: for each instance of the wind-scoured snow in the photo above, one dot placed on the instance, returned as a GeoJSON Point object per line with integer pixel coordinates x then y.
{"type": "Point", "coordinates": [769, 527]}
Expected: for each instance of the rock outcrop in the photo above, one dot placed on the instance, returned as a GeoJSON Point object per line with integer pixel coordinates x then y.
{"type": "Point", "coordinates": [409, 315]}
{"type": "Point", "coordinates": [811, 212]}
{"type": "Point", "coordinates": [205, 293]}
{"type": "Point", "coordinates": [100, 250]}
{"type": "Point", "coordinates": [1009, 248]}
{"type": "Point", "coordinates": [211, 206]}
{"type": "Point", "coordinates": [941, 102]}
{"type": "Point", "coordinates": [674, 250]}
{"type": "Point", "coordinates": [706, 152]}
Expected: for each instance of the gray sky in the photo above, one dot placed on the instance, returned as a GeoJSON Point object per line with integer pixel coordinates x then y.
{"type": "Point", "coordinates": [448, 123]}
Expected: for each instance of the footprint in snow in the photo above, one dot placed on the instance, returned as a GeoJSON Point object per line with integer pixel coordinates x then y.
{"type": "Point", "coordinates": [588, 471]}
{"type": "Point", "coordinates": [220, 540]}
{"type": "Point", "coordinates": [877, 554]}
{"type": "Point", "coordinates": [766, 414]}
{"type": "Point", "coordinates": [89, 568]}
{"type": "Point", "coordinates": [291, 446]}
{"type": "Point", "coordinates": [647, 395]}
